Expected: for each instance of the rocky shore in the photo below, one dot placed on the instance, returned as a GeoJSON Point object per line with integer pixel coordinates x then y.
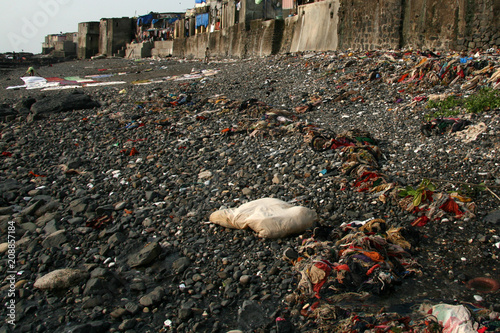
{"type": "Point", "coordinates": [109, 204]}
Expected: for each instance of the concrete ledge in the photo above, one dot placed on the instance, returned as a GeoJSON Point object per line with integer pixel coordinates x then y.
{"type": "Point", "coordinates": [139, 50]}
{"type": "Point", "coordinates": [163, 48]}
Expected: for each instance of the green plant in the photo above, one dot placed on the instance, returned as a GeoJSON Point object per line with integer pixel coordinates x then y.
{"type": "Point", "coordinates": [485, 99]}
{"type": "Point", "coordinates": [422, 192]}
{"type": "Point", "coordinates": [471, 190]}
{"type": "Point", "coordinates": [445, 108]}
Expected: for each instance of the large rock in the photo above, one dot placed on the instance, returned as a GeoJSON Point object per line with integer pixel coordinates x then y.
{"type": "Point", "coordinates": [493, 217]}
{"type": "Point", "coordinates": [145, 256]}
{"type": "Point", "coordinates": [6, 111]}
{"type": "Point", "coordinates": [55, 239]}
{"type": "Point", "coordinates": [10, 185]}
{"type": "Point", "coordinates": [62, 102]}
{"type": "Point", "coordinates": [251, 316]}
{"type": "Point", "coordinates": [61, 279]}
{"type": "Point", "coordinates": [23, 106]}
{"type": "Point", "coordinates": [153, 297]}
{"type": "Point", "coordinates": [180, 265]}
{"type": "Point", "coordinates": [96, 286]}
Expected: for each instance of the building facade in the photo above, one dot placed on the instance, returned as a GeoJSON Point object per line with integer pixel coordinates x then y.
{"type": "Point", "coordinates": [88, 39]}
{"type": "Point", "coordinates": [114, 34]}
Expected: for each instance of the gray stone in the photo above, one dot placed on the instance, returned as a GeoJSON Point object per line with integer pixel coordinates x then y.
{"type": "Point", "coordinates": [127, 324]}
{"type": "Point", "coordinates": [99, 272]}
{"type": "Point", "coordinates": [55, 239]}
{"type": "Point", "coordinates": [6, 111]}
{"type": "Point", "coordinates": [147, 222]}
{"type": "Point", "coordinates": [6, 210]}
{"type": "Point", "coordinates": [104, 210]}
{"type": "Point", "coordinates": [46, 218]}
{"type": "Point", "coordinates": [151, 195]}
{"type": "Point", "coordinates": [118, 313]}
{"type": "Point", "coordinates": [31, 209]}
{"type": "Point", "coordinates": [184, 314]}
{"type": "Point", "coordinates": [78, 205]}
{"type": "Point", "coordinates": [251, 316]}
{"type": "Point", "coordinates": [76, 220]}
{"type": "Point", "coordinates": [60, 279]}
{"type": "Point", "coordinates": [116, 239]}
{"type": "Point", "coordinates": [120, 205]}
{"type": "Point", "coordinates": [95, 286]}
{"type": "Point", "coordinates": [145, 256]}
{"type": "Point", "coordinates": [153, 297]}
{"type": "Point", "coordinates": [245, 279]}
{"type": "Point", "coordinates": [133, 308]}
{"type": "Point", "coordinates": [50, 227]}
{"type": "Point", "coordinates": [92, 302]}
{"type": "Point", "coordinates": [180, 265]}
{"type": "Point", "coordinates": [29, 226]}
{"type": "Point", "coordinates": [246, 191]}
{"type": "Point", "coordinates": [493, 217]}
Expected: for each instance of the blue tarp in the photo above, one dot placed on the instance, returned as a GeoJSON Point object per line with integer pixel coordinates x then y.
{"type": "Point", "coordinates": [145, 19]}
{"type": "Point", "coordinates": [200, 1]}
{"type": "Point", "coordinates": [202, 20]}
{"type": "Point", "coordinates": [155, 21]}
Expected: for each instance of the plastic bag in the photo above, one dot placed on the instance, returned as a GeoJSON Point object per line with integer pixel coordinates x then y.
{"type": "Point", "coordinates": [270, 218]}
{"type": "Point", "coordinates": [454, 318]}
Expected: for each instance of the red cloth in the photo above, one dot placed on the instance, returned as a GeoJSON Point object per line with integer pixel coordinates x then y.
{"type": "Point", "coordinates": [325, 267]}
{"type": "Point", "coordinates": [133, 152]}
{"type": "Point", "coordinates": [342, 268]}
{"type": "Point", "coordinates": [421, 221]}
{"type": "Point", "coordinates": [451, 206]}
{"type": "Point", "coordinates": [370, 271]}
{"type": "Point", "coordinates": [403, 77]}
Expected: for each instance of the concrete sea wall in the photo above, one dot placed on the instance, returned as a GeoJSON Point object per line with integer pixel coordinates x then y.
{"type": "Point", "coordinates": [358, 25]}
{"type": "Point", "coordinates": [259, 39]}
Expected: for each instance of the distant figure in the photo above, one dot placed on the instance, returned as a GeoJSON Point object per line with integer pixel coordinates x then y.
{"type": "Point", "coordinates": [207, 55]}
{"type": "Point", "coordinates": [30, 71]}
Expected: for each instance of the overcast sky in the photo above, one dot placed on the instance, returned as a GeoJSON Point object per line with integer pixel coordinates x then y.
{"type": "Point", "coordinates": [25, 23]}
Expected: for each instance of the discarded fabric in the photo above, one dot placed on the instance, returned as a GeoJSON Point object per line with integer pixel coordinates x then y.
{"type": "Point", "coordinates": [271, 218]}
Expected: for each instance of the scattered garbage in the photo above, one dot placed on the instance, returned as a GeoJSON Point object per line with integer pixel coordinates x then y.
{"type": "Point", "coordinates": [340, 136]}
{"type": "Point", "coordinates": [367, 257]}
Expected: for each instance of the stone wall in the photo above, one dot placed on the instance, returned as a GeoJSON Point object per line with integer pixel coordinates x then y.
{"type": "Point", "coordinates": [369, 25]}
{"type": "Point", "coordinates": [482, 25]}
{"type": "Point", "coordinates": [420, 24]}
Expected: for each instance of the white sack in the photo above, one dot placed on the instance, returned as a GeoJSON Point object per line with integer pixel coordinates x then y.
{"type": "Point", "coordinates": [271, 218]}
{"type": "Point", "coordinates": [454, 318]}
